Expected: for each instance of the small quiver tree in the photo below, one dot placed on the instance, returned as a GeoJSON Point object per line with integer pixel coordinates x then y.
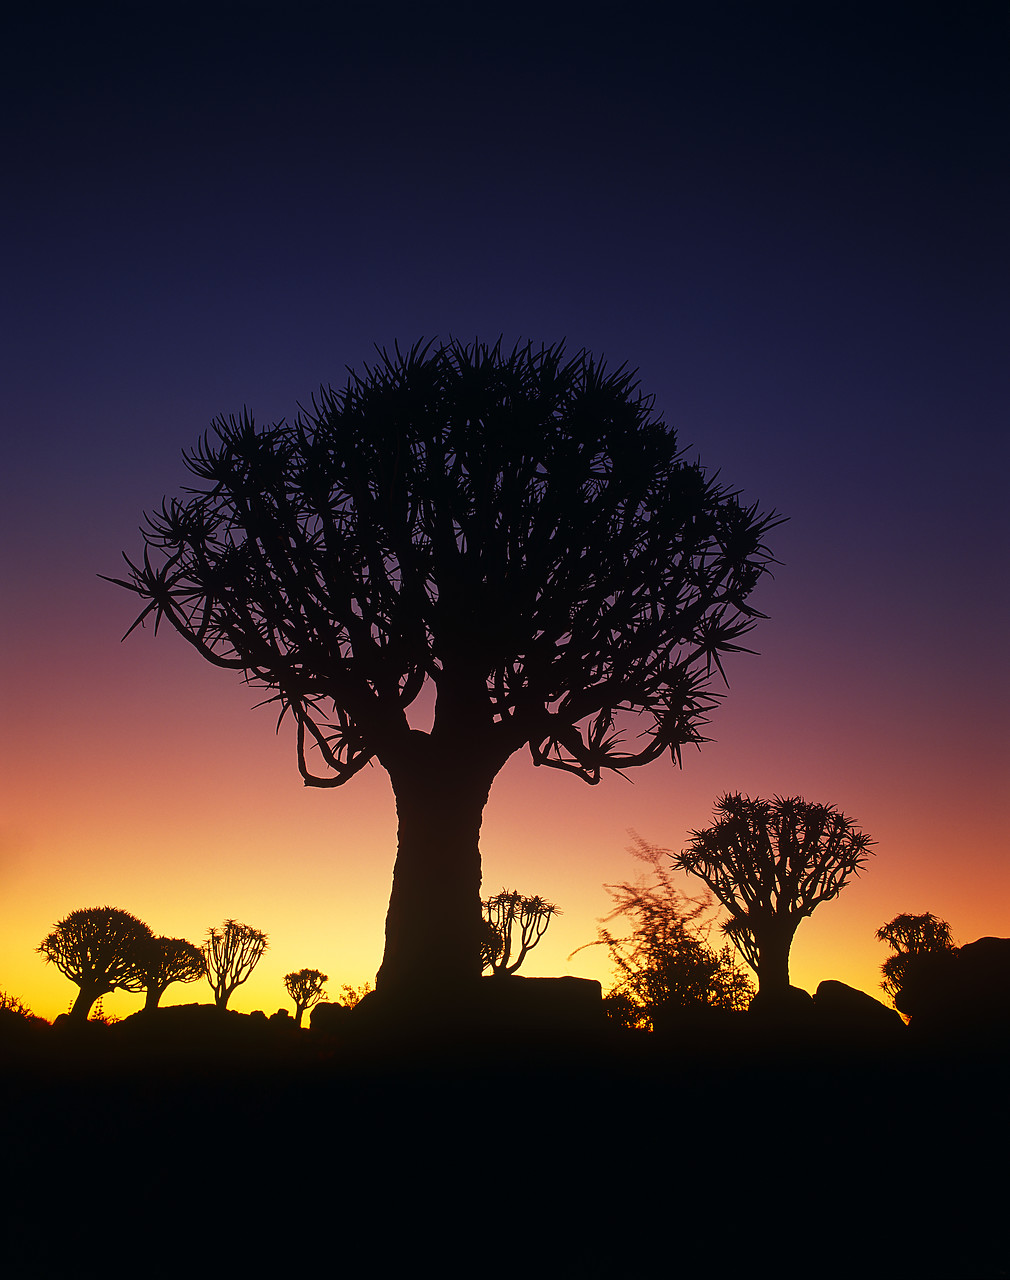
{"type": "Point", "coordinates": [98, 949]}
{"type": "Point", "coordinates": [305, 987]}
{"type": "Point", "coordinates": [518, 923]}
{"type": "Point", "coordinates": [231, 954]}
{"type": "Point", "coordinates": [162, 961]}
{"type": "Point", "coordinates": [770, 863]}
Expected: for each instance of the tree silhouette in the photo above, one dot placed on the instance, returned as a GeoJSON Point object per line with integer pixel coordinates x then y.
{"type": "Point", "coordinates": [305, 987]}
{"type": "Point", "coordinates": [162, 961]}
{"type": "Point", "coordinates": [665, 964]}
{"type": "Point", "coordinates": [770, 863]}
{"type": "Point", "coordinates": [517, 533]}
{"type": "Point", "coordinates": [98, 949]}
{"type": "Point", "coordinates": [505, 913]}
{"type": "Point", "coordinates": [231, 954]}
{"type": "Point", "coordinates": [911, 937]}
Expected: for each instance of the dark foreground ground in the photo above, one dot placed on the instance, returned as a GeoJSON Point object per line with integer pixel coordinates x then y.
{"type": "Point", "coordinates": [590, 1154]}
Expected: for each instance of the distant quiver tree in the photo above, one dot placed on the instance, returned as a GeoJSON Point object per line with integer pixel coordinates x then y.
{"type": "Point", "coordinates": [231, 953]}
{"type": "Point", "coordinates": [518, 923]}
{"type": "Point", "coordinates": [99, 950]}
{"type": "Point", "coordinates": [162, 961]}
{"type": "Point", "coordinates": [515, 532]}
{"type": "Point", "coordinates": [770, 863]}
{"type": "Point", "coordinates": [305, 987]}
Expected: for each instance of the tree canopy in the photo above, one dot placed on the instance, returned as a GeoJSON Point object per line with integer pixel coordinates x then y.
{"type": "Point", "coordinates": [162, 961]}
{"type": "Point", "coordinates": [911, 937]}
{"type": "Point", "coordinates": [517, 531]}
{"type": "Point", "coordinates": [99, 950]}
{"type": "Point", "coordinates": [770, 863]}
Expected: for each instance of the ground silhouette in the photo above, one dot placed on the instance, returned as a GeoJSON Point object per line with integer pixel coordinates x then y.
{"type": "Point", "coordinates": [778, 1151]}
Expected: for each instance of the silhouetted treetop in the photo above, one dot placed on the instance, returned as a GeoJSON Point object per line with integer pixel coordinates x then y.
{"type": "Point", "coordinates": [162, 961]}
{"type": "Point", "coordinates": [517, 532]}
{"type": "Point", "coordinates": [911, 937]}
{"type": "Point", "coordinates": [99, 950]}
{"type": "Point", "coordinates": [518, 527]}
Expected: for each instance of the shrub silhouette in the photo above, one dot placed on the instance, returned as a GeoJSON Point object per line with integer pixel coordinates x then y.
{"type": "Point", "coordinates": [305, 987]}
{"type": "Point", "coordinates": [98, 949]}
{"type": "Point", "coordinates": [231, 954]}
{"type": "Point", "coordinates": [518, 532]}
{"type": "Point", "coordinates": [162, 961]}
{"type": "Point", "coordinates": [505, 913]}
{"type": "Point", "coordinates": [770, 863]}
{"type": "Point", "coordinates": [665, 965]}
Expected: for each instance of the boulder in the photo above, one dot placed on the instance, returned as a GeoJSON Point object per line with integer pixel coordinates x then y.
{"type": "Point", "coordinates": [328, 1019]}
{"type": "Point", "coordinates": [794, 1006]}
{"type": "Point", "coordinates": [961, 990]}
{"type": "Point", "coordinates": [853, 1012]}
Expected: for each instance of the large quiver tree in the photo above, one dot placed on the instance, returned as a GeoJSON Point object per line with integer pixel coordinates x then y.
{"type": "Point", "coordinates": [100, 950]}
{"type": "Point", "coordinates": [517, 531]}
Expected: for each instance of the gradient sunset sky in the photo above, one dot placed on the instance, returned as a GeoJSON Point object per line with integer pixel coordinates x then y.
{"type": "Point", "coordinates": [790, 218]}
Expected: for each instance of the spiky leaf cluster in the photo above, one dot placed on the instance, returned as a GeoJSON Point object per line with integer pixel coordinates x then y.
{"type": "Point", "coordinates": [305, 987]}
{"type": "Point", "coordinates": [513, 925]}
{"type": "Point", "coordinates": [518, 529]}
{"type": "Point", "coordinates": [911, 937]}
{"type": "Point", "coordinates": [98, 948]}
{"type": "Point", "coordinates": [773, 861]}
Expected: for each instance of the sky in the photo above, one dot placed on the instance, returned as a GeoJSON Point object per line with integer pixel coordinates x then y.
{"type": "Point", "coordinates": [789, 218]}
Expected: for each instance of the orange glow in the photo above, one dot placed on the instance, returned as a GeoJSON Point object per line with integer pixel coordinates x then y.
{"type": "Point", "coordinates": [151, 785]}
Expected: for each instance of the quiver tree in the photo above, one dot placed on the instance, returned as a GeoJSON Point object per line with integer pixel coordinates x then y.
{"type": "Point", "coordinates": [231, 954]}
{"type": "Point", "coordinates": [98, 949]}
{"type": "Point", "coordinates": [770, 863]}
{"type": "Point", "coordinates": [305, 987]}
{"type": "Point", "coordinates": [518, 923]}
{"type": "Point", "coordinates": [516, 533]}
{"type": "Point", "coordinates": [911, 937]}
{"type": "Point", "coordinates": [162, 961]}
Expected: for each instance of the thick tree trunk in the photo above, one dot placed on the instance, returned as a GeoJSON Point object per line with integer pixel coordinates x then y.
{"type": "Point", "coordinates": [82, 1005]}
{"type": "Point", "coordinates": [773, 958]}
{"type": "Point", "coordinates": [433, 923]}
{"type": "Point", "coordinates": [153, 996]}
